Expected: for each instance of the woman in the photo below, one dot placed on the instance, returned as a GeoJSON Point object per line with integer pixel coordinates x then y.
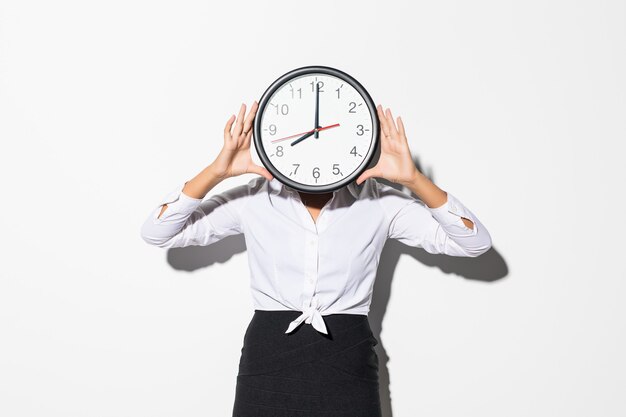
{"type": "Point", "coordinates": [308, 350]}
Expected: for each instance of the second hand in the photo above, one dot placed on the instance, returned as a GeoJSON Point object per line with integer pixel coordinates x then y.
{"type": "Point", "coordinates": [304, 133]}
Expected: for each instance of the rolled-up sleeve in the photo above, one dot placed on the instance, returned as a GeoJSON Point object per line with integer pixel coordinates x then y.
{"type": "Point", "coordinates": [439, 230]}
{"type": "Point", "coordinates": [189, 221]}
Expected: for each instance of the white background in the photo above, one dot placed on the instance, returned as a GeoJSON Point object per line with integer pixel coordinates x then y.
{"type": "Point", "coordinates": [517, 108]}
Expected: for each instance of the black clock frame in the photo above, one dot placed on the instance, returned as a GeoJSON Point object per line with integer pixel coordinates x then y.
{"type": "Point", "coordinates": [285, 78]}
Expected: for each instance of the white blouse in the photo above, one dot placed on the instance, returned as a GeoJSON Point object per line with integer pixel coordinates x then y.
{"type": "Point", "coordinates": [317, 267]}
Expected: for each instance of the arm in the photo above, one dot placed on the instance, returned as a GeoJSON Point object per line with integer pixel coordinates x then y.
{"type": "Point", "coordinates": [441, 225]}
{"type": "Point", "coordinates": [195, 189]}
{"type": "Point", "coordinates": [182, 218]}
{"type": "Point", "coordinates": [439, 230]}
{"type": "Point", "coordinates": [435, 197]}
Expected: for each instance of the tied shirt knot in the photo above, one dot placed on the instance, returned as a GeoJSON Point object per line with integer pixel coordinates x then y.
{"type": "Point", "coordinates": [310, 315]}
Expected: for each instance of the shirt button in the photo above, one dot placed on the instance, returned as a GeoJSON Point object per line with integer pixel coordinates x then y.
{"type": "Point", "coordinates": [310, 280]}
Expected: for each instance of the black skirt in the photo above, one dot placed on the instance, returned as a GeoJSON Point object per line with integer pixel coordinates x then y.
{"type": "Point", "coordinates": [306, 373]}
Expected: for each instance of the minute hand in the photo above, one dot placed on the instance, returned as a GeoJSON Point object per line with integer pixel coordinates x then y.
{"type": "Point", "coordinates": [317, 111]}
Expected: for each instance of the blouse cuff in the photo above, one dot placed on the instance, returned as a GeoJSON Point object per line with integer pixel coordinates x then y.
{"type": "Point", "coordinates": [450, 214]}
{"type": "Point", "coordinates": [178, 202]}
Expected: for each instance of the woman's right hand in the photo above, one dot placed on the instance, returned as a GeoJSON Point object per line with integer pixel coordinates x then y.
{"type": "Point", "coordinates": [234, 158]}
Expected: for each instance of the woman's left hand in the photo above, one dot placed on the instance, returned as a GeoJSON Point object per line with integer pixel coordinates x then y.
{"type": "Point", "coordinates": [395, 162]}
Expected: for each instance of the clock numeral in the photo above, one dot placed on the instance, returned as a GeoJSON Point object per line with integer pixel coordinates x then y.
{"type": "Point", "coordinates": [316, 173]}
{"type": "Point", "coordinates": [336, 169]}
{"type": "Point", "coordinates": [299, 90]}
{"type": "Point", "coordinates": [339, 91]}
{"type": "Point", "coordinates": [272, 129]}
{"type": "Point", "coordinates": [279, 151]}
{"type": "Point", "coordinates": [320, 83]}
{"type": "Point", "coordinates": [360, 130]}
{"type": "Point", "coordinates": [354, 152]}
{"type": "Point", "coordinates": [353, 106]}
{"type": "Point", "coordinates": [282, 109]}
{"type": "Point", "coordinates": [295, 171]}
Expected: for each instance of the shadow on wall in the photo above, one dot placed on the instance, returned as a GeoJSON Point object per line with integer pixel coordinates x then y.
{"type": "Point", "coordinates": [488, 267]}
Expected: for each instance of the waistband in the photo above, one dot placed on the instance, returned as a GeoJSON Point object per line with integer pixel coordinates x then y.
{"type": "Point", "coordinates": [268, 348]}
{"type": "Point", "coordinates": [335, 321]}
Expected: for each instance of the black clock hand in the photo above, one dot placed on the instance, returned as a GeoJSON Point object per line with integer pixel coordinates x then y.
{"type": "Point", "coordinates": [303, 137]}
{"type": "Point", "coordinates": [302, 133]}
{"type": "Point", "coordinates": [317, 111]}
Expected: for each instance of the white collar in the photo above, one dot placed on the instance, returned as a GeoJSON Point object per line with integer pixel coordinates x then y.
{"type": "Point", "coordinates": [352, 187]}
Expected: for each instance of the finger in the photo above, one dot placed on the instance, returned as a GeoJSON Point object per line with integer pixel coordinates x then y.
{"type": "Point", "coordinates": [246, 140]}
{"type": "Point", "coordinates": [228, 126]}
{"type": "Point", "coordinates": [401, 127]}
{"type": "Point", "coordinates": [384, 140]}
{"type": "Point", "coordinates": [368, 173]}
{"type": "Point", "coordinates": [364, 176]}
{"type": "Point", "coordinates": [239, 123]}
{"type": "Point", "coordinates": [391, 124]}
{"type": "Point", "coordinates": [247, 125]}
{"type": "Point", "coordinates": [383, 121]}
{"type": "Point", "coordinates": [261, 171]}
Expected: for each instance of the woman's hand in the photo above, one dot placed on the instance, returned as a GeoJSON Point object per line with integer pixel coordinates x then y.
{"type": "Point", "coordinates": [395, 163]}
{"type": "Point", "coordinates": [234, 158]}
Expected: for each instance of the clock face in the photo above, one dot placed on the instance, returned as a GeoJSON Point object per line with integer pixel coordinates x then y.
{"type": "Point", "coordinates": [316, 129]}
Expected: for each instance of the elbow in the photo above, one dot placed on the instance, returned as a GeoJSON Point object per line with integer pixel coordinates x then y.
{"type": "Point", "coordinates": [159, 242]}
{"type": "Point", "coordinates": [480, 249]}
{"type": "Point", "coordinates": [477, 252]}
{"type": "Point", "coordinates": [152, 239]}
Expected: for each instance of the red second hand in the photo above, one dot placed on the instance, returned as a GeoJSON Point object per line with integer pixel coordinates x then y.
{"type": "Point", "coordinates": [304, 133]}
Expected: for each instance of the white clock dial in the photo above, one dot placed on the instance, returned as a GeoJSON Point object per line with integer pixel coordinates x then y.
{"type": "Point", "coordinates": [345, 129]}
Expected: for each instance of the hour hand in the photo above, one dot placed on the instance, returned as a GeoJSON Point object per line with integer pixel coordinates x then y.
{"type": "Point", "coordinates": [303, 137]}
{"type": "Point", "coordinates": [317, 110]}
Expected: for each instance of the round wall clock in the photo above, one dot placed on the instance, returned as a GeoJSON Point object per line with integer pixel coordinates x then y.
{"type": "Point", "coordinates": [316, 129]}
